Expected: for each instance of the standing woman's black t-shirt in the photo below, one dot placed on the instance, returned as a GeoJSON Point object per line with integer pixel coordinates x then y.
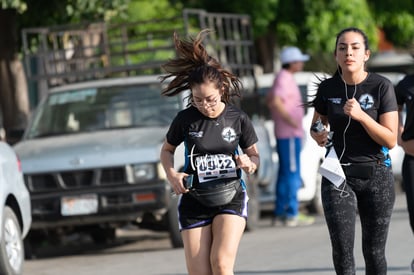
{"type": "Point", "coordinates": [210, 144]}
{"type": "Point", "coordinates": [405, 95]}
{"type": "Point", "coordinates": [375, 95]}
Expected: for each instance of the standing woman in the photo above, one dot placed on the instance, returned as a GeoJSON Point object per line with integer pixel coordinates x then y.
{"type": "Point", "coordinates": [212, 130]}
{"type": "Point", "coordinates": [361, 110]}
{"type": "Point", "coordinates": [405, 96]}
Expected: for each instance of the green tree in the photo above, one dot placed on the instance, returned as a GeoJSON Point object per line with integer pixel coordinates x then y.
{"type": "Point", "coordinates": [16, 14]}
{"type": "Point", "coordinates": [13, 87]}
{"type": "Point", "coordinates": [263, 14]}
{"type": "Point", "coordinates": [312, 25]}
{"type": "Point", "coordinates": [139, 10]}
{"type": "Point", "coordinates": [396, 18]}
{"type": "Point", "coordinates": [324, 19]}
{"type": "Point", "coordinates": [309, 24]}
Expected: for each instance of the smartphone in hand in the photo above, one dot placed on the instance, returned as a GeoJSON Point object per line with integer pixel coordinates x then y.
{"type": "Point", "coordinates": [188, 181]}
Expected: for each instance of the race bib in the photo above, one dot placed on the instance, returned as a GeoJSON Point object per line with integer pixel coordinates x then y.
{"type": "Point", "coordinates": [212, 167]}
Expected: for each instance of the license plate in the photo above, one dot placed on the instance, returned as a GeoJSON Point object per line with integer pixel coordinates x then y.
{"type": "Point", "coordinates": [79, 205]}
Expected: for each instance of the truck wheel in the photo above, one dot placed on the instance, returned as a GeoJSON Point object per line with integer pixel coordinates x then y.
{"type": "Point", "coordinates": [11, 244]}
{"type": "Point", "coordinates": [29, 250]}
{"type": "Point", "coordinates": [172, 218]}
{"type": "Point", "coordinates": [103, 235]}
{"type": "Point", "coordinates": [253, 207]}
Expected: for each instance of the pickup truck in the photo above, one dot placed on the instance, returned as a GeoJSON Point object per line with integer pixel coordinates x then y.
{"type": "Point", "coordinates": [90, 157]}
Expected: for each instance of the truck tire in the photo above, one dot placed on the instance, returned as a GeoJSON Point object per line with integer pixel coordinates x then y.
{"type": "Point", "coordinates": [103, 235]}
{"type": "Point", "coordinates": [172, 218]}
{"type": "Point", "coordinates": [11, 244]}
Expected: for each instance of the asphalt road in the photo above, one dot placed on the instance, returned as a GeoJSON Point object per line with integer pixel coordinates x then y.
{"type": "Point", "coordinates": [268, 250]}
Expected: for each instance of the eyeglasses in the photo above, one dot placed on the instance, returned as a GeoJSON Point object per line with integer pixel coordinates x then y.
{"type": "Point", "coordinates": [206, 102]}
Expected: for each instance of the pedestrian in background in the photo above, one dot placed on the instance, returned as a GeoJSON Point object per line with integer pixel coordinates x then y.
{"type": "Point", "coordinates": [212, 130]}
{"type": "Point", "coordinates": [405, 96]}
{"type": "Point", "coordinates": [286, 106]}
{"type": "Point", "coordinates": [361, 110]}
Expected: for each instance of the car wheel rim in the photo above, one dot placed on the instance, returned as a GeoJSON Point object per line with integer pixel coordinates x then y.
{"type": "Point", "coordinates": [13, 244]}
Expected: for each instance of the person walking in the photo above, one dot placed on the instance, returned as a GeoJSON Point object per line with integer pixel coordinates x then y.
{"type": "Point", "coordinates": [360, 108]}
{"type": "Point", "coordinates": [286, 107]}
{"type": "Point", "coordinates": [405, 96]}
{"type": "Point", "coordinates": [212, 129]}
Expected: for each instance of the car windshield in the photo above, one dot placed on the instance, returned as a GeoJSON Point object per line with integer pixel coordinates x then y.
{"type": "Point", "coordinates": [105, 108]}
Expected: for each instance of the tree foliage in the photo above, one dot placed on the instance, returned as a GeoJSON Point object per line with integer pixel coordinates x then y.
{"type": "Point", "coordinates": [262, 12]}
{"type": "Point", "coordinates": [396, 18]}
{"type": "Point", "coordinates": [139, 10]}
{"type": "Point", "coordinates": [312, 25]}
{"type": "Point", "coordinates": [18, 5]}
{"type": "Point", "coordinates": [17, 14]}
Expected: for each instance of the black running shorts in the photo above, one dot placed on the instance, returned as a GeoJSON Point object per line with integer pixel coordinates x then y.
{"type": "Point", "coordinates": [192, 214]}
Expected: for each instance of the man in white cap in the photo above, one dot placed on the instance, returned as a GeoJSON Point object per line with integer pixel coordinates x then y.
{"type": "Point", "coordinates": [286, 106]}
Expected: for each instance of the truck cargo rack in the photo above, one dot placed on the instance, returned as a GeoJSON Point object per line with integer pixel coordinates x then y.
{"type": "Point", "coordinates": [74, 53]}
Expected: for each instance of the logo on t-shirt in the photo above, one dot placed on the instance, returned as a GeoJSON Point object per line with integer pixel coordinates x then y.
{"type": "Point", "coordinates": [335, 100]}
{"type": "Point", "coordinates": [366, 101]}
{"type": "Point", "coordinates": [228, 134]}
{"type": "Point", "coordinates": [196, 134]}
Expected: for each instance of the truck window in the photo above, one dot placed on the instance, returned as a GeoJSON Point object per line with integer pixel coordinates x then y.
{"type": "Point", "coordinates": [106, 108]}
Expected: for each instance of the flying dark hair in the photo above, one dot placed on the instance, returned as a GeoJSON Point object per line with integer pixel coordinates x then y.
{"type": "Point", "coordinates": [194, 66]}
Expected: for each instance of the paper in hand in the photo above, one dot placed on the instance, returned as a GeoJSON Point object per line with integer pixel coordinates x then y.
{"type": "Point", "coordinates": [331, 168]}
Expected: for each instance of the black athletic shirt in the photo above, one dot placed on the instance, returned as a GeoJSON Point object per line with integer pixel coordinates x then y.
{"type": "Point", "coordinates": [204, 137]}
{"type": "Point", "coordinates": [405, 95]}
{"type": "Point", "coordinates": [375, 95]}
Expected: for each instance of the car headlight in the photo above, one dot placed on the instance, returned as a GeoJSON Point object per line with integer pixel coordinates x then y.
{"type": "Point", "coordinates": [161, 172]}
{"type": "Point", "coordinates": [137, 173]}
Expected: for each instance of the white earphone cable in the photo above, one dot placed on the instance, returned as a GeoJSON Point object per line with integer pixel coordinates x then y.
{"type": "Point", "coordinates": [344, 193]}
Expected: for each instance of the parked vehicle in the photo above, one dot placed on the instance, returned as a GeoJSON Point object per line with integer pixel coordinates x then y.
{"type": "Point", "coordinates": [90, 158]}
{"type": "Point", "coordinates": [15, 215]}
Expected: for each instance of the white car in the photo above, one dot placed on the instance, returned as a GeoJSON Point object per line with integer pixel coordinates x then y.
{"type": "Point", "coordinates": [15, 212]}
{"type": "Point", "coordinates": [312, 155]}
